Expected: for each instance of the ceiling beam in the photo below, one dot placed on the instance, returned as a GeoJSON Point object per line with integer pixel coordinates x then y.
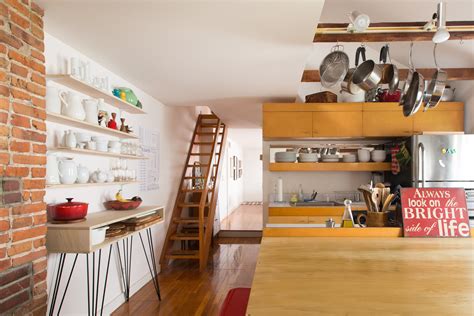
{"type": "Point", "coordinates": [390, 32]}
{"type": "Point", "coordinates": [453, 74]}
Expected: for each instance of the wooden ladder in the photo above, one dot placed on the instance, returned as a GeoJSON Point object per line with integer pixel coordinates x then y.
{"type": "Point", "coordinates": [189, 234]}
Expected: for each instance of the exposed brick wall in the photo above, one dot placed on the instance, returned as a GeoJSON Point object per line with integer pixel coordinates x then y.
{"type": "Point", "coordinates": [22, 159]}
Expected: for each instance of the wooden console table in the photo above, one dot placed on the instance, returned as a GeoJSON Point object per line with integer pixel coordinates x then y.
{"type": "Point", "coordinates": [75, 239]}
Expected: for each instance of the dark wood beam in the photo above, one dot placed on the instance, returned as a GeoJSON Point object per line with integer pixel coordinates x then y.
{"type": "Point", "coordinates": [453, 74]}
{"type": "Point", "coordinates": [390, 32]}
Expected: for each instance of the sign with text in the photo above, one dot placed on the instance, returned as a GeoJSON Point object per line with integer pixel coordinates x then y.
{"type": "Point", "coordinates": [434, 212]}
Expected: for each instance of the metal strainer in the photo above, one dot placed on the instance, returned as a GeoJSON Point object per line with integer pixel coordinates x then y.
{"type": "Point", "coordinates": [334, 67]}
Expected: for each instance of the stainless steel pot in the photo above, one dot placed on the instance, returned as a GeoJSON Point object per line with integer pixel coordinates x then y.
{"type": "Point", "coordinates": [347, 85]}
{"type": "Point", "coordinates": [367, 75]}
{"type": "Point", "coordinates": [435, 90]}
{"type": "Point", "coordinates": [389, 71]}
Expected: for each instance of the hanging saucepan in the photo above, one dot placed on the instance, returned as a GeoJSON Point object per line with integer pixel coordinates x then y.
{"type": "Point", "coordinates": [414, 96]}
{"type": "Point", "coordinates": [435, 89]}
{"type": "Point", "coordinates": [406, 84]}
{"type": "Point", "coordinates": [390, 71]}
{"type": "Point", "coordinates": [334, 67]}
{"type": "Point", "coordinates": [367, 75]}
{"type": "Point", "coordinates": [346, 84]}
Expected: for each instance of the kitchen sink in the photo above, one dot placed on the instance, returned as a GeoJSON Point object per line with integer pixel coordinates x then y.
{"type": "Point", "coordinates": [317, 203]}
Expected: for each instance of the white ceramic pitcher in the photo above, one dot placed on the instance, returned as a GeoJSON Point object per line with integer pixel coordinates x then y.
{"type": "Point", "coordinates": [67, 171]}
{"type": "Point", "coordinates": [72, 105]}
{"type": "Point", "coordinates": [53, 102]}
{"type": "Point", "coordinates": [92, 111]}
{"type": "Point", "coordinates": [52, 170]}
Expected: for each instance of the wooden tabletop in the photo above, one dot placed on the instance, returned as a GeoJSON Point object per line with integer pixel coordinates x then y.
{"type": "Point", "coordinates": [363, 276]}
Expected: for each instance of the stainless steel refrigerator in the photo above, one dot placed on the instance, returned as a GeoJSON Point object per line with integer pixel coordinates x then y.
{"type": "Point", "coordinates": [440, 161]}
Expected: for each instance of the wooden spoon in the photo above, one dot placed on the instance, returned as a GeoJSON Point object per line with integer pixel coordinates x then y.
{"type": "Point", "coordinates": [376, 198]}
{"type": "Point", "coordinates": [387, 202]}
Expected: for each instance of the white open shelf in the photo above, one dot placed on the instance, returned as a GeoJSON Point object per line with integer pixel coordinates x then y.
{"type": "Point", "coordinates": [95, 153]}
{"type": "Point", "coordinates": [61, 119]}
{"type": "Point", "coordinates": [92, 184]}
{"type": "Point", "coordinates": [85, 88]}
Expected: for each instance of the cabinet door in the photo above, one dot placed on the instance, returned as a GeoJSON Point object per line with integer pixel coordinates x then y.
{"type": "Point", "coordinates": [387, 123]}
{"type": "Point", "coordinates": [288, 219]}
{"type": "Point", "coordinates": [337, 124]}
{"type": "Point", "coordinates": [439, 121]}
{"type": "Point", "coordinates": [287, 124]}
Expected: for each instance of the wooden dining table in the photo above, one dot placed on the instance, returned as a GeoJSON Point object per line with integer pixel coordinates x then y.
{"type": "Point", "coordinates": [363, 276]}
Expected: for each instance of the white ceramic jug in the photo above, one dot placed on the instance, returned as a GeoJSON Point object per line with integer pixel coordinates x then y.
{"type": "Point", "coordinates": [72, 105]}
{"type": "Point", "coordinates": [53, 102]}
{"type": "Point", "coordinates": [92, 111]}
{"type": "Point", "coordinates": [67, 171]}
{"type": "Point", "coordinates": [82, 174]}
{"type": "Point", "coordinates": [70, 140]}
{"type": "Point", "coordinates": [52, 170]}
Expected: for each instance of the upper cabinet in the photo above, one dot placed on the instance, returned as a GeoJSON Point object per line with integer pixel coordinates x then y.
{"type": "Point", "coordinates": [319, 120]}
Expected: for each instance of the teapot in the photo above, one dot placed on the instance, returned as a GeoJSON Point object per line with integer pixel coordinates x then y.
{"type": "Point", "coordinates": [99, 176]}
{"type": "Point", "coordinates": [67, 171]}
{"type": "Point", "coordinates": [91, 108]}
{"type": "Point", "coordinates": [72, 105]}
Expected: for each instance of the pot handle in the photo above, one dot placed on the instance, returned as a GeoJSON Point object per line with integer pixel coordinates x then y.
{"type": "Point", "coordinates": [383, 54]}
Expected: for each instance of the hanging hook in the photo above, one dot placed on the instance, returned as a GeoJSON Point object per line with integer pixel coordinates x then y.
{"type": "Point", "coordinates": [434, 56]}
{"type": "Point", "coordinates": [410, 59]}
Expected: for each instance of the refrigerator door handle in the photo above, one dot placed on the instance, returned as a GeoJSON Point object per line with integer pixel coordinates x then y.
{"type": "Point", "coordinates": [421, 163]}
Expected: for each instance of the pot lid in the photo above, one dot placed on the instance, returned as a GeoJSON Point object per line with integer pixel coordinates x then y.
{"type": "Point", "coordinates": [71, 203]}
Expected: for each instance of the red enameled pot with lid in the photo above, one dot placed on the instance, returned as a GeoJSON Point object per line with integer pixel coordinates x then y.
{"type": "Point", "coordinates": [68, 211]}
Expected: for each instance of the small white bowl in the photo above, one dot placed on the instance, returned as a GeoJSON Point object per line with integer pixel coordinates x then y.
{"type": "Point", "coordinates": [98, 235]}
{"type": "Point", "coordinates": [379, 155]}
{"type": "Point", "coordinates": [363, 155]}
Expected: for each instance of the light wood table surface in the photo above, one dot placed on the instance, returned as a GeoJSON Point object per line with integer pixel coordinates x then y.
{"type": "Point", "coordinates": [363, 276]}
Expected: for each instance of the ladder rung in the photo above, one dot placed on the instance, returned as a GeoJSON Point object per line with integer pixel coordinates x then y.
{"type": "Point", "coordinates": [208, 125]}
{"type": "Point", "coordinates": [191, 205]}
{"type": "Point", "coordinates": [202, 166]}
{"type": "Point", "coordinates": [208, 133]}
{"type": "Point", "coordinates": [188, 220]}
{"type": "Point", "coordinates": [200, 154]}
{"type": "Point", "coordinates": [208, 116]}
{"type": "Point", "coordinates": [182, 236]}
{"type": "Point", "coordinates": [188, 178]}
{"type": "Point", "coordinates": [183, 254]}
{"type": "Point", "coordinates": [203, 143]}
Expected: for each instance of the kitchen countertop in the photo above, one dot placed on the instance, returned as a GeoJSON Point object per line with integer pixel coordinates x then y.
{"type": "Point", "coordinates": [363, 276]}
{"type": "Point", "coordinates": [355, 205]}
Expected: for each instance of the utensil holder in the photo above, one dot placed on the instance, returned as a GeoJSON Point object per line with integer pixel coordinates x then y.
{"type": "Point", "coordinates": [377, 219]}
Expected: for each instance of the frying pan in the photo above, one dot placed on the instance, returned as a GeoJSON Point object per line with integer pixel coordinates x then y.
{"type": "Point", "coordinates": [435, 89]}
{"type": "Point", "coordinates": [389, 71]}
{"type": "Point", "coordinates": [406, 85]}
{"type": "Point", "coordinates": [346, 84]}
{"type": "Point", "coordinates": [413, 98]}
{"type": "Point", "coordinates": [334, 67]}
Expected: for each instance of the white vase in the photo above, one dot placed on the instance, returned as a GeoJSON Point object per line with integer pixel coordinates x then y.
{"type": "Point", "coordinates": [70, 140]}
{"type": "Point", "coordinates": [67, 171]}
{"type": "Point", "coordinates": [82, 174]}
{"type": "Point", "coordinates": [92, 111]}
{"type": "Point", "coordinates": [53, 102]}
{"type": "Point", "coordinates": [72, 105]}
{"type": "Point", "coordinates": [52, 169]}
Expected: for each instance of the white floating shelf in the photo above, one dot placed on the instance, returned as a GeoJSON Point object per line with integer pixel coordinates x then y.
{"type": "Point", "coordinates": [85, 88]}
{"type": "Point", "coordinates": [61, 119]}
{"type": "Point", "coordinates": [95, 153]}
{"type": "Point", "coordinates": [76, 185]}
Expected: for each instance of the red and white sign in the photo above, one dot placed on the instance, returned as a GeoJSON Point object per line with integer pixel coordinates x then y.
{"type": "Point", "coordinates": [434, 212]}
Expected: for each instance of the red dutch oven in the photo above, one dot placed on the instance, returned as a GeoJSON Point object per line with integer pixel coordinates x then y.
{"type": "Point", "coordinates": [68, 211]}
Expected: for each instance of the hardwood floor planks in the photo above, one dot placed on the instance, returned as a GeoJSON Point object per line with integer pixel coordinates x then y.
{"type": "Point", "coordinates": [185, 291]}
{"type": "Point", "coordinates": [245, 217]}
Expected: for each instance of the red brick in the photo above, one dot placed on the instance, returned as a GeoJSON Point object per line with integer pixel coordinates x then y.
{"type": "Point", "coordinates": [37, 9]}
{"type": "Point", "coordinates": [18, 82]}
{"type": "Point", "coordinates": [38, 32]}
{"type": "Point", "coordinates": [40, 219]}
{"type": "Point", "coordinates": [4, 225]}
{"type": "Point", "coordinates": [19, 146]}
{"type": "Point", "coordinates": [19, 94]}
{"type": "Point", "coordinates": [37, 55]}
{"type": "Point", "coordinates": [16, 171]}
{"type": "Point", "coordinates": [28, 208]}
{"type": "Point", "coordinates": [20, 222]}
{"type": "Point", "coordinates": [28, 135]}
{"type": "Point", "coordinates": [36, 89]}
{"type": "Point", "coordinates": [33, 183]}
{"type": "Point", "coordinates": [12, 198]}
{"type": "Point", "coordinates": [19, 70]}
{"type": "Point", "coordinates": [19, 20]}
{"type": "Point", "coordinates": [4, 158]}
{"type": "Point", "coordinates": [41, 103]}
{"type": "Point", "coordinates": [37, 196]}
{"type": "Point", "coordinates": [39, 148]}
{"type": "Point", "coordinates": [37, 66]}
{"type": "Point", "coordinates": [3, 10]}
{"type": "Point", "coordinates": [3, 117]}
{"type": "Point", "coordinates": [4, 212]}
{"type": "Point", "coordinates": [40, 242]}
{"type": "Point", "coordinates": [4, 104]}
{"type": "Point", "coordinates": [15, 287]}
{"type": "Point", "coordinates": [3, 252]}
{"type": "Point", "coordinates": [5, 264]}
{"type": "Point", "coordinates": [14, 55]}
{"type": "Point", "coordinates": [36, 19]}
{"type": "Point", "coordinates": [14, 274]}
{"type": "Point", "coordinates": [39, 288]}
{"type": "Point", "coordinates": [27, 37]}
{"type": "Point", "coordinates": [26, 196]}
{"type": "Point", "coordinates": [4, 130]}
{"type": "Point", "coordinates": [19, 248]}
{"type": "Point", "coordinates": [28, 233]}
{"type": "Point", "coordinates": [3, 76]}
{"type": "Point", "coordinates": [40, 79]}
{"type": "Point", "coordinates": [4, 63]}
{"type": "Point", "coordinates": [19, 6]}
{"type": "Point", "coordinates": [40, 265]}
{"type": "Point", "coordinates": [40, 276]}
{"type": "Point", "coordinates": [21, 121]}
{"type": "Point", "coordinates": [29, 257]}
{"type": "Point", "coordinates": [10, 40]}
{"type": "Point", "coordinates": [3, 146]}
{"type": "Point", "coordinates": [29, 111]}
{"type": "Point", "coordinates": [39, 125]}
{"type": "Point", "coordinates": [29, 160]}
{"type": "Point", "coordinates": [38, 172]}
{"type": "Point", "coordinates": [4, 238]}
{"type": "Point", "coordinates": [10, 185]}
{"type": "Point", "coordinates": [14, 300]}
{"type": "Point", "coordinates": [5, 91]}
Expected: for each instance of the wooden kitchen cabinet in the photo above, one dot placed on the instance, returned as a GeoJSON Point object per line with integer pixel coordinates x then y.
{"type": "Point", "coordinates": [446, 117]}
{"type": "Point", "coordinates": [288, 219]}
{"type": "Point", "coordinates": [386, 120]}
{"type": "Point", "coordinates": [323, 219]}
{"type": "Point", "coordinates": [287, 124]}
{"type": "Point", "coordinates": [337, 124]}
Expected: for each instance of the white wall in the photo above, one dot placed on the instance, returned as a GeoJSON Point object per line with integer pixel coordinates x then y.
{"type": "Point", "coordinates": [464, 93]}
{"type": "Point", "coordinates": [175, 125]}
{"type": "Point", "coordinates": [234, 187]}
{"type": "Point", "coordinates": [252, 174]}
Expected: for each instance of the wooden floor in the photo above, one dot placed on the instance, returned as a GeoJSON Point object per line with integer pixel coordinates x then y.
{"type": "Point", "coordinates": [185, 291]}
{"type": "Point", "coordinates": [245, 217]}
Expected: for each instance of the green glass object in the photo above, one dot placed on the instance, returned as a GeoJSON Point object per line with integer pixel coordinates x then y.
{"type": "Point", "coordinates": [130, 97]}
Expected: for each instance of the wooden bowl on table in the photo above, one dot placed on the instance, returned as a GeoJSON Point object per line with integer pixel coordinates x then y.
{"type": "Point", "coordinates": [122, 206]}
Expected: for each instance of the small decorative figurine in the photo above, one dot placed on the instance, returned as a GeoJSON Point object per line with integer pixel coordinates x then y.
{"type": "Point", "coordinates": [123, 127]}
{"type": "Point", "coordinates": [112, 123]}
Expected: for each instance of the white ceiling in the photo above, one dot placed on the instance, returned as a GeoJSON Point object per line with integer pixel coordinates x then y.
{"type": "Point", "coordinates": [231, 55]}
{"type": "Point", "coordinates": [222, 54]}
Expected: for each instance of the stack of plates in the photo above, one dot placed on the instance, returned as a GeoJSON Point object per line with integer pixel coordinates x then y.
{"type": "Point", "coordinates": [285, 156]}
{"type": "Point", "coordinates": [349, 158]}
{"type": "Point", "coordinates": [329, 158]}
{"type": "Point", "coordinates": [308, 157]}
